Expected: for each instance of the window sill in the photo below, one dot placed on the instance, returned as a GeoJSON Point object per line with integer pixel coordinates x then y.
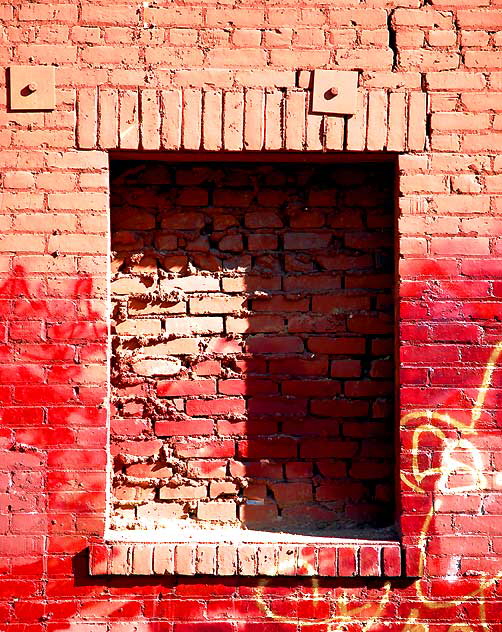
{"type": "Point", "coordinates": [286, 556]}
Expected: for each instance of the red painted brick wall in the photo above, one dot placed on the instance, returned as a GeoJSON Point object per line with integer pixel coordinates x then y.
{"type": "Point", "coordinates": [431, 90]}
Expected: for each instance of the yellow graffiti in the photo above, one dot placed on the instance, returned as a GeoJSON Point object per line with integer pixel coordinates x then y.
{"type": "Point", "coordinates": [412, 624]}
{"type": "Point", "coordinates": [344, 615]}
{"type": "Point", "coordinates": [449, 465]}
{"type": "Point", "coordinates": [486, 383]}
{"type": "Point", "coordinates": [460, 459]}
{"type": "Point", "coordinates": [460, 627]}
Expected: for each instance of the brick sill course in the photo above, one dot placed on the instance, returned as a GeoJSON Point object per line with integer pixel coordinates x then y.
{"type": "Point", "coordinates": [333, 557]}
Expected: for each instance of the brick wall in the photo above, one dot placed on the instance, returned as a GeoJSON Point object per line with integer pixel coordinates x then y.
{"type": "Point", "coordinates": [205, 76]}
{"type": "Point", "coordinates": [253, 345]}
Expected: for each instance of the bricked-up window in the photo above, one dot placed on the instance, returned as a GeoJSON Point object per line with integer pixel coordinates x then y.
{"type": "Point", "coordinates": [253, 346]}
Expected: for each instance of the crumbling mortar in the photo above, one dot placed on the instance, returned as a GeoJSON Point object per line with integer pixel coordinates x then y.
{"type": "Point", "coordinates": [123, 459]}
{"type": "Point", "coordinates": [131, 348]}
{"type": "Point", "coordinates": [393, 40]}
{"type": "Point", "coordinates": [135, 481]}
{"type": "Point", "coordinates": [16, 446]}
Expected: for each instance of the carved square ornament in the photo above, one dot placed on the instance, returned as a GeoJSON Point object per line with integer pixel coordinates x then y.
{"type": "Point", "coordinates": [334, 92]}
{"type": "Point", "coordinates": [32, 88]}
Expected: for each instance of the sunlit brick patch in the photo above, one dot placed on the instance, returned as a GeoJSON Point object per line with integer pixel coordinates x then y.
{"type": "Point", "coordinates": [252, 350]}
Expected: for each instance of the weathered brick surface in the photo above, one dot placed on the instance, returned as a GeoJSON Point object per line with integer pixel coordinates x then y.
{"type": "Point", "coordinates": [299, 267]}
{"type": "Point", "coordinates": [437, 63]}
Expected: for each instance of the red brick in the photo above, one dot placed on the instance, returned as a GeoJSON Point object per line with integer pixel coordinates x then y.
{"type": "Point", "coordinates": [274, 344]}
{"type": "Point", "coordinates": [233, 117]}
{"type": "Point", "coordinates": [347, 561]}
{"type": "Point", "coordinates": [128, 120]}
{"type": "Point", "coordinates": [225, 17]}
{"type": "Point", "coordinates": [249, 386]}
{"type": "Point", "coordinates": [215, 407]}
{"type": "Point", "coordinates": [191, 131]}
{"type": "Point", "coordinates": [377, 120]}
{"type": "Point", "coordinates": [317, 448]}
{"type": "Point", "coordinates": [460, 245]}
{"type": "Point", "coordinates": [277, 447]}
{"type": "Point", "coordinates": [212, 120]}
{"type": "Point", "coordinates": [391, 561]}
{"type": "Point", "coordinates": [280, 304]}
{"type": "Point", "coordinates": [107, 55]}
{"type": "Point", "coordinates": [298, 366]}
{"type": "Point", "coordinates": [254, 124]}
{"type": "Point", "coordinates": [334, 303]}
{"type": "Point", "coordinates": [291, 493]}
{"type": "Point", "coordinates": [171, 125]}
{"type": "Point", "coordinates": [311, 388]}
{"type": "Point", "coordinates": [276, 405]}
{"type": "Point", "coordinates": [227, 559]}
{"type": "Point", "coordinates": [216, 304]}
{"type": "Point", "coordinates": [325, 344]}
{"type": "Point", "coordinates": [108, 118]}
{"type": "Point", "coordinates": [150, 119]}
{"type": "Point", "coordinates": [208, 469]}
{"type": "Point", "coordinates": [267, 564]}
{"type": "Point", "coordinates": [459, 121]}
{"type": "Point", "coordinates": [108, 15]}
{"type": "Point", "coordinates": [216, 511]}
{"type": "Point", "coordinates": [183, 428]}
{"type": "Point", "coordinates": [369, 560]}
{"type": "Point", "coordinates": [207, 367]}
{"type": "Point", "coordinates": [273, 119]}
{"type": "Point", "coordinates": [177, 388]}
{"type": "Point", "coordinates": [207, 449]}
{"type": "Point", "coordinates": [482, 101]}
{"type": "Point", "coordinates": [345, 368]}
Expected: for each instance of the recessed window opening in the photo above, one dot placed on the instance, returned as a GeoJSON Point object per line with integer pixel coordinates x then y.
{"type": "Point", "coordinates": [252, 347]}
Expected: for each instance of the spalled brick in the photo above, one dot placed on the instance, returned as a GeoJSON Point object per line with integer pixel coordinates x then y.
{"type": "Point", "coordinates": [150, 120]}
{"type": "Point", "coordinates": [192, 107]}
{"type": "Point", "coordinates": [273, 119]}
{"type": "Point", "coordinates": [254, 122]}
{"type": "Point", "coordinates": [108, 119]}
{"type": "Point", "coordinates": [233, 121]}
{"type": "Point", "coordinates": [377, 120]}
{"type": "Point", "coordinates": [87, 120]}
